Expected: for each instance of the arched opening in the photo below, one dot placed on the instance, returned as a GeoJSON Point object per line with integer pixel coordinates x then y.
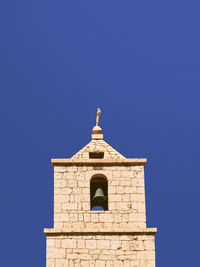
{"type": "Point", "coordinates": [99, 193]}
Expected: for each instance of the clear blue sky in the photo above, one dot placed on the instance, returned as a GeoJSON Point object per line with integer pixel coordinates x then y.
{"type": "Point", "coordinates": [139, 61]}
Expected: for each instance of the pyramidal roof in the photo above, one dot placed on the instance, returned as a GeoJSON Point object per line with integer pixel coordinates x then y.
{"type": "Point", "coordinates": [97, 147]}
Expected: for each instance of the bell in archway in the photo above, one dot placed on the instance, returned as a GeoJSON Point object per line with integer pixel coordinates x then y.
{"type": "Point", "coordinates": [99, 195]}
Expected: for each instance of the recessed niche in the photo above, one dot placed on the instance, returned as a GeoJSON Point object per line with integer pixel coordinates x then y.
{"type": "Point", "coordinates": [96, 155]}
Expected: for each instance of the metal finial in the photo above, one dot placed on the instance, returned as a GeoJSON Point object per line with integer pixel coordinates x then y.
{"type": "Point", "coordinates": [98, 115]}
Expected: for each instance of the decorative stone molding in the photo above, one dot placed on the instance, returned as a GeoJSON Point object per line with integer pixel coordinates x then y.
{"type": "Point", "coordinates": [127, 161]}
{"type": "Point", "coordinates": [121, 230]}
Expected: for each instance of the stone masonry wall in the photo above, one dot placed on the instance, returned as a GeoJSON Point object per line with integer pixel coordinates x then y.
{"type": "Point", "coordinates": [98, 146]}
{"type": "Point", "coordinates": [116, 237]}
{"type": "Point", "coordinates": [126, 197]}
{"type": "Point", "coordinates": [101, 251]}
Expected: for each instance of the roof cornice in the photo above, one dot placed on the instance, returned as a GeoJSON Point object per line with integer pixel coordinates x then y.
{"type": "Point", "coordinates": [111, 231]}
{"type": "Point", "coordinates": [127, 161]}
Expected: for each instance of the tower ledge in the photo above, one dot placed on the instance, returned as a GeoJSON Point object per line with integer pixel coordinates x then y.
{"type": "Point", "coordinates": [120, 230]}
{"type": "Point", "coordinates": [125, 161]}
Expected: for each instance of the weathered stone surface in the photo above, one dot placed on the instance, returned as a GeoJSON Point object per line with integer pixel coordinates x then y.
{"type": "Point", "coordinates": [116, 237]}
{"type": "Point", "coordinates": [118, 249]}
{"type": "Point", "coordinates": [98, 146]}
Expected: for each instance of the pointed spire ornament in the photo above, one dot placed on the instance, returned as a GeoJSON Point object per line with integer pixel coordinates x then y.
{"type": "Point", "coordinates": [97, 131]}
{"type": "Point", "coordinates": [98, 115]}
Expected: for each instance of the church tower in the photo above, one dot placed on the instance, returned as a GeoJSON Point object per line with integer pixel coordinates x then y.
{"type": "Point", "coordinates": [99, 210]}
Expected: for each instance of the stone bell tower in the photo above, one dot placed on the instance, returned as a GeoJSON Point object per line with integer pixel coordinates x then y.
{"type": "Point", "coordinates": [99, 210]}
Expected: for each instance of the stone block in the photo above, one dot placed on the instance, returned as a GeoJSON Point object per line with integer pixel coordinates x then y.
{"type": "Point", "coordinates": [50, 242]}
{"type": "Point", "coordinates": [142, 263]}
{"type": "Point", "coordinates": [125, 197]}
{"type": "Point", "coordinates": [61, 217]}
{"type": "Point", "coordinates": [69, 206]}
{"type": "Point", "coordinates": [50, 263]}
{"type": "Point", "coordinates": [57, 253]}
{"type": "Point", "coordinates": [125, 217]}
{"type": "Point", "coordinates": [60, 183]}
{"type": "Point", "coordinates": [121, 206]}
{"type": "Point", "coordinates": [72, 168]}
{"type": "Point", "coordinates": [85, 206]}
{"type": "Point", "coordinates": [137, 217]}
{"type": "Point", "coordinates": [109, 263]}
{"type": "Point", "coordinates": [76, 191]}
{"type": "Point", "coordinates": [72, 183]}
{"type": "Point", "coordinates": [141, 207]}
{"type": "Point", "coordinates": [58, 226]}
{"type": "Point", "coordinates": [129, 189]}
{"type": "Point", "coordinates": [90, 244]}
{"type": "Point", "coordinates": [117, 218]}
{"type": "Point", "coordinates": [140, 182]}
{"type": "Point", "coordinates": [149, 245]}
{"type": "Point", "coordinates": [125, 168]}
{"type": "Point", "coordinates": [135, 205]}
{"type": "Point", "coordinates": [58, 175]}
{"type": "Point", "coordinates": [140, 189]}
{"type": "Point", "coordinates": [111, 205]}
{"type": "Point", "coordinates": [68, 175]}
{"type": "Point", "coordinates": [85, 191]}
{"type": "Point", "coordinates": [127, 174]}
{"type": "Point", "coordinates": [79, 175]}
{"type": "Point", "coordinates": [94, 217]}
{"type": "Point", "coordinates": [125, 245]}
{"type": "Point", "coordinates": [58, 190]}
{"type": "Point", "coordinates": [115, 197]}
{"type": "Point", "coordinates": [57, 243]}
{"type": "Point", "coordinates": [118, 264]}
{"type": "Point", "coordinates": [85, 198]}
{"type": "Point", "coordinates": [116, 174]}
{"type": "Point", "coordinates": [106, 217]}
{"type": "Point", "coordinates": [146, 255]}
{"type": "Point", "coordinates": [68, 243]}
{"type": "Point", "coordinates": [81, 168]}
{"type": "Point", "coordinates": [57, 207]}
{"type": "Point", "coordinates": [60, 168]}
{"type": "Point", "coordinates": [85, 264]}
{"type": "Point", "coordinates": [146, 237]}
{"type": "Point", "coordinates": [87, 217]}
{"type": "Point", "coordinates": [66, 191]}
{"type": "Point", "coordinates": [61, 198]}
{"type": "Point", "coordinates": [81, 243]}
{"type": "Point", "coordinates": [111, 189]}
{"type": "Point", "coordinates": [83, 184]}
{"type": "Point", "coordinates": [136, 245]}
{"type": "Point", "coordinates": [120, 189]}
{"type": "Point", "coordinates": [72, 256]}
{"type": "Point", "coordinates": [150, 263]}
{"type": "Point", "coordinates": [73, 217]}
{"type": "Point", "coordinates": [115, 244]}
{"type": "Point", "coordinates": [137, 197]}
{"type": "Point", "coordinates": [61, 263]}
{"type": "Point", "coordinates": [77, 198]}
{"type": "Point", "coordinates": [103, 244]}
{"type": "Point", "coordinates": [80, 217]}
